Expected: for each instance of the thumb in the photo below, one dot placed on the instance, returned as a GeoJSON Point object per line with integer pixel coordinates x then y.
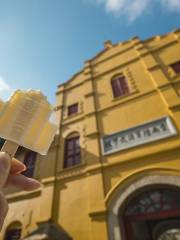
{"type": "Point", "coordinates": [5, 163]}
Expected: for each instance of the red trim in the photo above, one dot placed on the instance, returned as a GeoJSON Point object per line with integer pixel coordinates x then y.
{"type": "Point", "coordinates": [128, 220]}
{"type": "Point", "coordinates": [156, 215]}
{"type": "Point", "coordinates": [128, 228]}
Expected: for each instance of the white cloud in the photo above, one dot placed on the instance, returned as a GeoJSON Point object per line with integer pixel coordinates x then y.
{"type": "Point", "coordinates": [115, 5]}
{"type": "Point", "coordinates": [171, 5]}
{"type": "Point", "coordinates": [5, 89]}
{"type": "Point", "coordinates": [130, 9]}
{"type": "Point", "coordinates": [133, 9]}
{"type": "Point", "coordinates": [4, 85]}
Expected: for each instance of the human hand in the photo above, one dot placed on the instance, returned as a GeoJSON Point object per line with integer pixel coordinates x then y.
{"type": "Point", "coordinates": [10, 170]}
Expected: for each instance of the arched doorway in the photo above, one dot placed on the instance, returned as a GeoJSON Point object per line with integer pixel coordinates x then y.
{"type": "Point", "coordinates": [153, 214]}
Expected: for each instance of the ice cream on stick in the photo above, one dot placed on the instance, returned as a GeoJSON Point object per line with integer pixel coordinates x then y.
{"type": "Point", "coordinates": [24, 121]}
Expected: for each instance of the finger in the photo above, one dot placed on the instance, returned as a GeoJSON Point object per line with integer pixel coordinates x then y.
{"type": "Point", "coordinates": [22, 183]}
{"type": "Point", "coordinates": [5, 163]}
{"type": "Point", "coordinates": [17, 166]}
{"type": "Point", "coordinates": [3, 209]}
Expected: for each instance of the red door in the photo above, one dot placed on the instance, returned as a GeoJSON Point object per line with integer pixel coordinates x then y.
{"type": "Point", "coordinates": [130, 221]}
{"type": "Point", "coordinates": [148, 208]}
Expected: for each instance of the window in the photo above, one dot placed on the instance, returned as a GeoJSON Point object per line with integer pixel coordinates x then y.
{"type": "Point", "coordinates": [176, 67]}
{"type": "Point", "coordinates": [72, 154]}
{"type": "Point", "coordinates": [13, 231]}
{"type": "Point", "coordinates": [72, 109]}
{"type": "Point", "coordinates": [119, 86]}
{"type": "Point", "coordinates": [29, 161]}
{"type": "Point", "coordinates": [154, 201]}
{"type": "Point", "coordinates": [2, 141]}
{"type": "Point", "coordinates": [13, 234]}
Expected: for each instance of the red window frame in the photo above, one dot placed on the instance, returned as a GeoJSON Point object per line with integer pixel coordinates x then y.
{"type": "Point", "coordinates": [119, 86]}
{"type": "Point", "coordinates": [176, 67]}
{"type": "Point", "coordinates": [72, 153]}
{"type": "Point", "coordinates": [73, 109]}
{"type": "Point", "coordinates": [29, 161]}
{"type": "Point", "coordinates": [145, 199]}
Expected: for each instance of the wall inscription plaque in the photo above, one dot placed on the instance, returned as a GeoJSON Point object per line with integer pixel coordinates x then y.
{"type": "Point", "coordinates": [138, 135]}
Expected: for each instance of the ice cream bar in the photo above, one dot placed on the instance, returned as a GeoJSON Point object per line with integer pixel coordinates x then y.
{"type": "Point", "coordinates": [24, 121]}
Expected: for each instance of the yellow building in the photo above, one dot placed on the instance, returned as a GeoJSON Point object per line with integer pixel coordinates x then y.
{"type": "Point", "coordinates": [113, 170]}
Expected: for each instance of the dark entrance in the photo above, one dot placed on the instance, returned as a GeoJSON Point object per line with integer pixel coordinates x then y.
{"type": "Point", "coordinates": [153, 215]}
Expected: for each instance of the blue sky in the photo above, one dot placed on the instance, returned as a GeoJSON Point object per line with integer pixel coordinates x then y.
{"type": "Point", "coordinates": [44, 42]}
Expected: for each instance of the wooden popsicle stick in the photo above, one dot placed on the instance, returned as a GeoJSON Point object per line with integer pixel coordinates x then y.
{"type": "Point", "coordinates": [10, 148]}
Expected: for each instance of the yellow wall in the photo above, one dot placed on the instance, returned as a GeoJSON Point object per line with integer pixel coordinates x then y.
{"type": "Point", "coordinates": [79, 196]}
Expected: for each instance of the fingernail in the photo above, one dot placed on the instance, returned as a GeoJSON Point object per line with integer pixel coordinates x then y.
{"type": "Point", "coordinates": [22, 167]}
{"type": "Point", "coordinates": [35, 183]}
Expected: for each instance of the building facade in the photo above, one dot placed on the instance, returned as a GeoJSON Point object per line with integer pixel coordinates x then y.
{"type": "Point", "coordinates": [113, 170]}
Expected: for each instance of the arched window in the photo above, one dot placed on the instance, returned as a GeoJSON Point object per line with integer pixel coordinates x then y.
{"type": "Point", "coordinates": [29, 161]}
{"type": "Point", "coordinates": [154, 201]}
{"type": "Point", "coordinates": [13, 232]}
{"type": "Point", "coordinates": [119, 86]}
{"type": "Point", "coordinates": [153, 215]}
{"type": "Point", "coordinates": [72, 151]}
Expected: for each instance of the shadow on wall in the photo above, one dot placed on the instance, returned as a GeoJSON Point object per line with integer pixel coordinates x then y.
{"type": "Point", "coordinates": [48, 231]}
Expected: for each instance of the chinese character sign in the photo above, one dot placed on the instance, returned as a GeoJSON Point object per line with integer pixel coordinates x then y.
{"type": "Point", "coordinates": [138, 135]}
